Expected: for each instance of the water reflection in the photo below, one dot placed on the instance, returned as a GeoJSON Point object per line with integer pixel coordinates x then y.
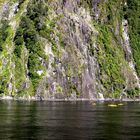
{"type": "Point", "coordinates": [68, 120]}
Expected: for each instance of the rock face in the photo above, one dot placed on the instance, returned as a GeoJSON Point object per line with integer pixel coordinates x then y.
{"type": "Point", "coordinates": [66, 49]}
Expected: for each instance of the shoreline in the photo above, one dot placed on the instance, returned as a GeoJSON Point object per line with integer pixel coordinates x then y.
{"type": "Point", "coordinates": [69, 99]}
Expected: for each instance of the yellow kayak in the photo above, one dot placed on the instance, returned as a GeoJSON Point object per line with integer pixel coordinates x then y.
{"type": "Point", "coordinates": [120, 104]}
{"type": "Point", "coordinates": [115, 105]}
{"type": "Point", "coordinates": [112, 105]}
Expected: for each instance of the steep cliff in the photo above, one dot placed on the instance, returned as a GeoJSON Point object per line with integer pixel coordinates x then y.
{"type": "Point", "coordinates": [56, 49]}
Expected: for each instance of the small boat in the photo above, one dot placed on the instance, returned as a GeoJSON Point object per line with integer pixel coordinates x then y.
{"type": "Point", "coordinates": [93, 104]}
{"type": "Point", "coordinates": [120, 104]}
{"type": "Point", "coordinates": [112, 105]}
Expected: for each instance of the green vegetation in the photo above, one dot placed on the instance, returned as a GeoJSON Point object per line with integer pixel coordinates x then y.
{"type": "Point", "coordinates": [110, 54]}
{"type": "Point", "coordinates": [109, 59]}
{"type": "Point", "coordinates": [34, 26]}
{"type": "Point", "coordinates": [27, 34]}
{"type": "Point", "coordinates": [3, 33]}
{"type": "Point", "coordinates": [133, 92]}
{"type": "Point", "coordinates": [132, 14]}
{"type": "Point", "coordinates": [25, 37]}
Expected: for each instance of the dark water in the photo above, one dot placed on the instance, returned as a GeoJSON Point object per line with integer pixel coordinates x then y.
{"type": "Point", "coordinates": [68, 121]}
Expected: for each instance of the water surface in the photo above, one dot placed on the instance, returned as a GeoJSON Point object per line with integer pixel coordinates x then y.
{"type": "Point", "coordinates": [68, 121]}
